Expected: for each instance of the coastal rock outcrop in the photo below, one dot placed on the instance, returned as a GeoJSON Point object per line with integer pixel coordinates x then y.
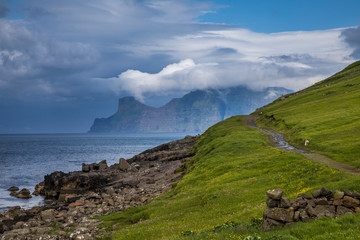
{"type": "Point", "coordinates": [24, 193]}
{"type": "Point", "coordinates": [13, 189]}
{"type": "Point", "coordinates": [78, 196]}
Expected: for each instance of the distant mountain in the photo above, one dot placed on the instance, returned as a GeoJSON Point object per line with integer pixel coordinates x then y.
{"type": "Point", "coordinates": [194, 112]}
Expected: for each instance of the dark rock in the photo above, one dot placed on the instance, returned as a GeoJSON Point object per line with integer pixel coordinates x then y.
{"type": "Point", "coordinates": [35, 210]}
{"type": "Point", "coordinates": [280, 214]}
{"type": "Point", "coordinates": [271, 203]}
{"type": "Point", "coordinates": [12, 212]}
{"type": "Point", "coordinates": [299, 203]}
{"type": "Point", "coordinates": [39, 189]}
{"type": "Point", "coordinates": [340, 210]}
{"type": "Point", "coordinates": [303, 196]}
{"type": "Point", "coordinates": [85, 168]}
{"type": "Point", "coordinates": [13, 194]}
{"type": "Point", "coordinates": [347, 193]}
{"type": "Point", "coordinates": [72, 183]}
{"type": "Point", "coordinates": [324, 211]}
{"type": "Point", "coordinates": [355, 195]}
{"type": "Point", "coordinates": [123, 164]}
{"type": "Point", "coordinates": [310, 211]}
{"type": "Point", "coordinates": [351, 202]}
{"type": "Point", "coordinates": [171, 151]}
{"type": "Point", "coordinates": [275, 194]}
{"type": "Point", "coordinates": [72, 199]}
{"type": "Point", "coordinates": [303, 215]}
{"type": "Point", "coordinates": [13, 189]}
{"type": "Point", "coordinates": [285, 202]}
{"type": "Point", "coordinates": [325, 192]}
{"type": "Point", "coordinates": [270, 223]}
{"type": "Point", "coordinates": [24, 194]}
{"type": "Point", "coordinates": [310, 202]}
{"type": "Point", "coordinates": [317, 193]}
{"type": "Point", "coordinates": [53, 184]}
{"type": "Point", "coordinates": [103, 165]}
{"type": "Point", "coordinates": [321, 201]}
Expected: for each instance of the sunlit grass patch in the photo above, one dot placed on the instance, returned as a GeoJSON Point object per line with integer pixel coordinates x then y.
{"type": "Point", "coordinates": [226, 182]}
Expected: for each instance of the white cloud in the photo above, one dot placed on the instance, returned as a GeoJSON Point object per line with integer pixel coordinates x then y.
{"type": "Point", "coordinates": [183, 76]}
{"type": "Point", "coordinates": [226, 58]}
{"type": "Point", "coordinates": [60, 45]}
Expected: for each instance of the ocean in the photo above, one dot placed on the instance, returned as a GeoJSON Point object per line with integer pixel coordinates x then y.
{"type": "Point", "coordinates": [26, 159]}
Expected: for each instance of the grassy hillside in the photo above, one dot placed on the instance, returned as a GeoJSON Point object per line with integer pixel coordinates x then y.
{"type": "Point", "coordinates": [327, 114]}
{"type": "Point", "coordinates": [222, 195]}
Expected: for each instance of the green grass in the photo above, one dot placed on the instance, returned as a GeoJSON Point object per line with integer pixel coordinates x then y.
{"type": "Point", "coordinates": [226, 182]}
{"type": "Point", "coordinates": [327, 114]}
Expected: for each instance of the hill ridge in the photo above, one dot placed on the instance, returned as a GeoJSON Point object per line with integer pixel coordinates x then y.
{"type": "Point", "coordinates": [194, 112]}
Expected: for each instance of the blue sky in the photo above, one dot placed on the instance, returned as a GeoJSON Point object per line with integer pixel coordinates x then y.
{"type": "Point", "coordinates": [64, 63]}
{"type": "Point", "coordinates": [281, 15]}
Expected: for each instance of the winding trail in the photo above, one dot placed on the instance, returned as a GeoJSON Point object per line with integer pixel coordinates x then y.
{"type": "Point", "coordinates": [277, 140]}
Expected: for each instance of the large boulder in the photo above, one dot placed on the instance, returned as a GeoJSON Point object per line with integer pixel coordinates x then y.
{"type": "Point", "coordinates": [280, 214]}
{"type": "Point", "coordinates": [13, 189]}
{"type": "Point", "coordinates": [323, 192]}
{"type": "Point", "coordinates": [271, 203]}
{"type": "Point", "coordinates": [325, 211]}
{"type": "Point", "coordinates": [103, 165]}
{"type": "Point", "coordinates": [275, 194]}
{"type": "Point", "coordinates": [123, 164]}
{"type": "Point", "coordinates": [48, 215]}
{"type": "Point", "coordinates": [39, 189]}
{"type": "Point", "coordinates": [321, 211]}
{"type": "Point", "coordinates": [58, 184]}
{"type": "Point", "coordinates": [85, 167]}
{"type": "Point", "coordinates": [299, 203]}
{"type": "Point", "coordinates": [340, 210]}
{"type": "Point", "coordinates": [285, 202]}
{"type": "Point", "coordinates": [351, 202]}
{"type": "Point", "coordinates": [24, 194]}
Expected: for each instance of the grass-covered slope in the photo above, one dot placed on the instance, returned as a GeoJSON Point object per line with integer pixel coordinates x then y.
{"type": "Point", "coordinates": [327, 114]}
{"type": "Point", "coordinates": [226, 181]}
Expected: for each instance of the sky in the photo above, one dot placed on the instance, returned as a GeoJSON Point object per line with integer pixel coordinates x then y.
{"type": "Point", "coordinates": [65, 63]}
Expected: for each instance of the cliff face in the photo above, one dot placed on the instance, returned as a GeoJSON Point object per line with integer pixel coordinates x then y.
{"type": "Point", "coordinates": [194, 112]}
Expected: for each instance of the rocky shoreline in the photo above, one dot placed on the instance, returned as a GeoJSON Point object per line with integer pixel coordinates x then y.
{"type": "Point", "coordinates": [75, 197]}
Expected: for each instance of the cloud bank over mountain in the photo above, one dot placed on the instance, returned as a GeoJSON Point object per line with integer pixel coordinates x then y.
{"type": "Point", "coordinates": [226, 58]}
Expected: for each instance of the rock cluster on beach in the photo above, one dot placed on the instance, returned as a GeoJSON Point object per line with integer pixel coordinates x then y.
{"type": "Point", "coordinates": [23, 193]}
{"type": "Point", "coordinates": [323, 203]}
{"type": "Point", "coordinates": [96, 190]}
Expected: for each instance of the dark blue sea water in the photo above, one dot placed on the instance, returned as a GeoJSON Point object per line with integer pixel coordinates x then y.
{"type": "Point", "coordinates": [26, 159]}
